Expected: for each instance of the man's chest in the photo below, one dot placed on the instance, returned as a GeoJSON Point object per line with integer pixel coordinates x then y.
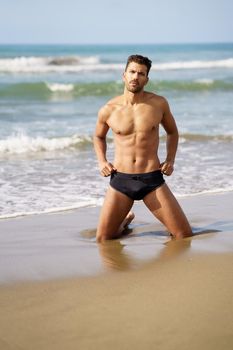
{"type": "Point", "coordinates": [129, 120]}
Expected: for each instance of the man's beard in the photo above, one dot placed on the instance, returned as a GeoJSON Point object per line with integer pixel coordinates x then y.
{"type": "Point", "coordinates": [134, 89]}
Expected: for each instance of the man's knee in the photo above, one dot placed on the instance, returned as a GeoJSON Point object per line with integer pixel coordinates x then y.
{"type": "Point", "coordinates": [100, 238]}
{"type": "Point", "coordinates": [103, 236]}
{"type": "Point", "coordinates": [182, 233]}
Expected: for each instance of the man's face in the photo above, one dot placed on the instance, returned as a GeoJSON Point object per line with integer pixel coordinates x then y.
{"type": "Point", "coordinates": [135, 77]}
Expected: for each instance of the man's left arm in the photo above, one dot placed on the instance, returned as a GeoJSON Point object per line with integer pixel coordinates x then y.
{"type": "Point", "coordinates": [169, 125]}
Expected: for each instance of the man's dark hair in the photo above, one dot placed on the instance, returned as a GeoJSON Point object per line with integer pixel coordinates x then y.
{"type": "Point", "coordinates": [140, 60]}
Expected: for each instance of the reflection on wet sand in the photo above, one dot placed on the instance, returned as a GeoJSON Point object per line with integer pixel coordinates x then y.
{"type": "Point", "coordinates": [115, 257]}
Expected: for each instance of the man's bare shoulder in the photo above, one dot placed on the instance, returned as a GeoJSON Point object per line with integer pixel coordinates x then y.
{"type": "Point", "coordinates": [106, 110]}
{"type": "Point", "coordinates": [115, 102]}
{"type": "Point", "coordinates": [155, 98]}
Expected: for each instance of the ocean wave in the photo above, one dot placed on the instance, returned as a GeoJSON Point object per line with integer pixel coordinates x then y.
{"type": "Point", "coordinates": [227, 63]}
{"type": "Point", "coordinates": [44, 90]}
{"type": "Point", "coordinates": [24, 144]}
{"type": "Point", "coordinates": [46, 64]}
{"type": "Point", "coordinates": [66, 64]}
{"type": "Point", "coordinates": [192, 85]}
{"type": "Point", "coordinates": [186, 137]}
{"type": "Point", "coordinates": [55, 87]}
{"type": "Point", "coordinates": [205, 81]}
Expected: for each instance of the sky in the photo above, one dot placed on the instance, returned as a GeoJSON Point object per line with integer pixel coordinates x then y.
{"type": "Point", "coordinates": [115, 21]}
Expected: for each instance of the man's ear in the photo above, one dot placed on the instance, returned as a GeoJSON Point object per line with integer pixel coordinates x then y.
{"type": "Point", "coordinates": [123, 76]}
{"type": "Point", "coordinates": [147, 79]}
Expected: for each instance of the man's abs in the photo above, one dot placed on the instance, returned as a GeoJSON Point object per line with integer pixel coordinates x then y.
{"type": "Point", "coordinates": [136, 165]}
{"type": "Point", "coordinates": [136, 153]}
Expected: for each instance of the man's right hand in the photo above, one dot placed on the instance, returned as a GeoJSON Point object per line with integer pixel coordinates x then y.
{"type": "Point", "coordinates": [106, 169]}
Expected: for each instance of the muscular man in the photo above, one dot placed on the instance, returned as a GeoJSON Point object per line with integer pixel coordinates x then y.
{"type": "Point", "coordinates": [136, 172]}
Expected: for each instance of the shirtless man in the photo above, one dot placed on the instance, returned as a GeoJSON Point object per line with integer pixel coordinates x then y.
{"type": "Point", "coordinates": [136, 172]}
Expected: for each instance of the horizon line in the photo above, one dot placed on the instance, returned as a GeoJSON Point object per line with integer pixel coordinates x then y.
{"type": "Point", "coordinates": [112, 44]}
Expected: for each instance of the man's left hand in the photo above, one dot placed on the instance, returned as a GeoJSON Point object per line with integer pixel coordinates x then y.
{"type": "Point", "coordinates": [167, 168]}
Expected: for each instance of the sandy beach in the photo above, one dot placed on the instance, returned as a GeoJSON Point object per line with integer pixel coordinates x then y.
{"type": "Point", "coordinates": [60, 290]}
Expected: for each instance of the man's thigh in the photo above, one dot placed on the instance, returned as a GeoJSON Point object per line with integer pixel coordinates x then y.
{"type": "Point", "coordinates": [114, 210]}
{"type": "Point", "coordinates": [166, 208]}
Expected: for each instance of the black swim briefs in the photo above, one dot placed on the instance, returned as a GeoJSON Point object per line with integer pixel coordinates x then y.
{"type": "Point", "coordinates": [136, 186]}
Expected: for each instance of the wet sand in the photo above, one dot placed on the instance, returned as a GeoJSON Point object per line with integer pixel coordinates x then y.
{"type": "Point", "coordinates": [60, 290]}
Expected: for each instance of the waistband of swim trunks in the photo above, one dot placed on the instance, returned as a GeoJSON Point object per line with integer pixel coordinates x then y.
{"type": "Point", "coordinates": [129, 175]}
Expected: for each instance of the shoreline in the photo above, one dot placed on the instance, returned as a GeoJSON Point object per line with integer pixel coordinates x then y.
{"type": "Point", "coordinates": [34, 243]}
{"type": "Point", "coordinates": [76, 207]}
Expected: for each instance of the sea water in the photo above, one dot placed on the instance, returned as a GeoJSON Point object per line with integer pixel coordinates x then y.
{"type": "Point", "coordinates": [49, 99]}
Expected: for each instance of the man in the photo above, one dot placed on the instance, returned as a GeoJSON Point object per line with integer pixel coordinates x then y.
{"type": "Point", "coordinates": [136, 172]}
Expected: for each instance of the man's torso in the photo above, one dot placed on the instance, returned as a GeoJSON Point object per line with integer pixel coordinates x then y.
{"type": "Point", "coordinates": [136, 133]}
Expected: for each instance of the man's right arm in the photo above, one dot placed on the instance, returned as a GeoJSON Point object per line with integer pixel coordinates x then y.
{"type": "Point", "coordinates": [100, 144]}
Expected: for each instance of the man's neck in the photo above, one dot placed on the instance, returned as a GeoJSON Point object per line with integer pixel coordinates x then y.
{"type": "Point", "coordinates": [133, 98]}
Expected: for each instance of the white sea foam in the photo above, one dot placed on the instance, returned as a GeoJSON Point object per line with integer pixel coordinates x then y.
{"type": "Point", "coordinates": [46, 64]}
{"type": "Point", "coordinates": [92, 63]}
{"type": "Point", "coordinates": [91, 203]}
{"type": "Point", "coordinates": [205, 192]}
{"type": "Point", "coordinates": [205, 81]}
{"type": "Point", "coordinates": [55, 87]}
{"type": "Point", "coordinates": [21, 144]}
{"type": "Point", "coordinates": [227, 63]}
